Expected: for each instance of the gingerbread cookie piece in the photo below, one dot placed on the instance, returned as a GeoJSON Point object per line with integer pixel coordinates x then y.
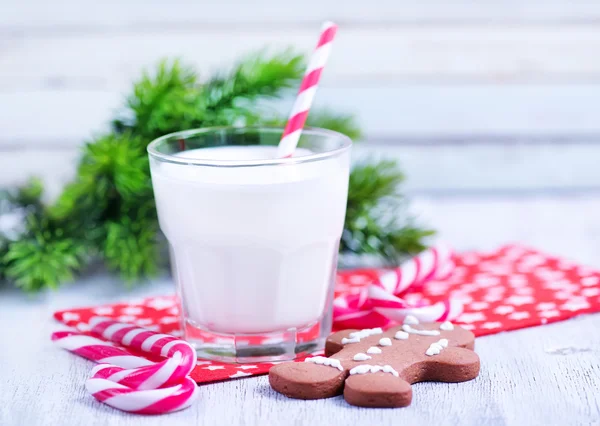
{"type": "Point", "coordinates": [373, 368]}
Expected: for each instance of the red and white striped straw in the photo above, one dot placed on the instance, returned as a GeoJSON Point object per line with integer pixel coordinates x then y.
{"type": "Point", "coordinates": [306, 93]}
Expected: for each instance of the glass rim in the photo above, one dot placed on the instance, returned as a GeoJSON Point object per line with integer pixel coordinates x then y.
{"type": "Point", "coordinates": [185, 161]}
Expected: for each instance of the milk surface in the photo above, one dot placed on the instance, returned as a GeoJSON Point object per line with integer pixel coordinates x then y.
{"type": "Point", "coordinates": [254, 247]}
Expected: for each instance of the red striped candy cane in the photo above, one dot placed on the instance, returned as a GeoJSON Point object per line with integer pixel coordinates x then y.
{"type": "Point", "coordinates": [144, 340]}
{"type": "Point", "coordinates": [107, 386]}
{"type": "Point", "coordinates": [380, 302]}
{"type": "Point", "coordinates": [133, 384]}
{"type": "Point", "coordinates": [307, 91]}
{"type": "Point", "coordinates": [97, 350]}
{"type": "Point", "coordinates": [433, 263]}
{"type": "Point", "coordinates": [396, 309]}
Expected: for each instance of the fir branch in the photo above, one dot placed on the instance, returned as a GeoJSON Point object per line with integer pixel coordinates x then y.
{"type": "Point", "coordinates": [373, 223]}
{"type": "Point", "coordinates": [131, 248]}
{"type": "Point", "coordinates": [257, 76]}
{"type": "Point", "coordinates": [372, 181]}
{"type": "Point", "coordinates": [112, 167]}
{"type": "Point", "coordinates": [28, 195]}
{"type": "Point", "coordinates": [163, 101]}
{"type": "Point", "coordinates": [342, 123]}
{"type": "Point", "coordinates": [172, 99]}
{"type": "Point", "coordinates": [46, 257]}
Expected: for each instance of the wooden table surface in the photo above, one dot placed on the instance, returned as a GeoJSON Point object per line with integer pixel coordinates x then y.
{"type": "Point", "coordinates": [544, 375]}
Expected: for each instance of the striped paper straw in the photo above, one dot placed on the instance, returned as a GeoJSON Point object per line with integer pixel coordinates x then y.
{"type": "Point", "coordinates": [306, 93]}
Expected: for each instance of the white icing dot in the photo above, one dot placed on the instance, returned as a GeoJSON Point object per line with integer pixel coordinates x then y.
{"type": "Point", "coordinates": [361, 357]}
{"type": "Point", "coordinates": [373, 350]}
{"type": "Point", "coordinates": [411, 330]}
{"type": "Point", "coordinates": [336, 363]}
{"type": "Point", "coordinates": [360, 369]}
{"type": "Point", "coordinates": [321, 360]}
{"type": "Point", "coordinates": [447, 326]}
{"type": "Point", "coordinates": [401, 335]}
{"type": "Point", "coordinates": [385, 341]}
{"type": "Point", "coordinates": [389, 369]}
{"type": "Point", "coordinates": [355, 336]}
{"type": "Point", "coordinates": [436, 347]}
{"type": "Point", "coordinates": [411, 320]}
{"type": "Point", "coordinates": [366, 368]}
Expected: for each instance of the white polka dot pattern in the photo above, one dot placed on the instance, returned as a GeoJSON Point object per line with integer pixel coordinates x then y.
{"type": "Point", "coordinates": [510, 288]}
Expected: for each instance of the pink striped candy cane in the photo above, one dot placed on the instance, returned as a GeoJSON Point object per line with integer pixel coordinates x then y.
{"type": "Point", "coordinates": [144, 340]}
{"type": "Point", "coordinates": [107, 385]}
{"type": "Point", "coordinates": [433, 263]}
{"type": "Point", "coordinates": [97, 350]}
{"type": "Point", "coordinates": [133, 384]}
{"type": "Point", "coordinates": [395, 308]}
{"type": "Point", "coordinates": [379, 303]}
{"type": "Point", "coordinates": [307, 91]}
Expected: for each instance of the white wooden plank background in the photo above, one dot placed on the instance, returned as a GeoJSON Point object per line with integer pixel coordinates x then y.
{"type": "Point", "coordinates": [488, 53]}
{"type": "Point", "coordinates": [88, 14]}
{"type": "Point", "coordinates": [495, 74]}
{"type": "Point", "coordinates": [64, 117]}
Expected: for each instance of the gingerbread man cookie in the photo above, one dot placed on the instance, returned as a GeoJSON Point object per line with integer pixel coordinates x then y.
{"type": "Point", "coordinates": [373, 368]}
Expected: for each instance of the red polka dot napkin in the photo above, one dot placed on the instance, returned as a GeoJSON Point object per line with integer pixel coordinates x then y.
{"type": "Point", "coordinates": [513, 287]}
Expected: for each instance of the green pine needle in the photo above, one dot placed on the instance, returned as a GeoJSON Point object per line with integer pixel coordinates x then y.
{"type": "Point", "coordinates": [44, 259]}
{"type": "Point", "coordinates": [257, 76]}
{"type": "Point", "coordinates": [371, 181]}
{"type": "Point", "coordinates": [342, 123]}
{"type": "Point", "coordinates": [163, 101]}
{"type": "Point", "coordinates": [120, 158]}
{"type": "Point", "coordinates": [131, 249]}
{"type": "Point", "coordinates": [112, 167]}
{"type": "Point", "coordinates": [373, 222]}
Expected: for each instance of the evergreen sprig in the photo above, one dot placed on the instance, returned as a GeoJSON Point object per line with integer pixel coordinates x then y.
{"type": "Point", "coordinates": [108, 210]}
{"type": "Point", "coordinates": [376, 221]}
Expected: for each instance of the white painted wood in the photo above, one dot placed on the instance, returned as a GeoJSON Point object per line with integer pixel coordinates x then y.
{"type": "Point", "coordinates": [90, 15]}
{"type": "Point", "coordinates": [544, 375]}
{"type": "Point", "coordinates": [64, 118]}
{"type": "Point", "coordinates": [567, 225]}
{"type": "Point", "coordinates": [467, 169]}
{"type": "Point", "coordinates": [482, 53]}
{"type": "Point", "coordinates": [494, 168]}
{"type": "Point", "coordinates": [54, 167]}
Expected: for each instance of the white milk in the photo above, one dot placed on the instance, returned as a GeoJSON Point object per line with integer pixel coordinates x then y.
{"type": "Point", "coordinates": [254, 246]}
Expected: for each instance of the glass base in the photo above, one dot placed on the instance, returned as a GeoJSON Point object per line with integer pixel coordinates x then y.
{"type": "Point", "coordinates": [251, 348]}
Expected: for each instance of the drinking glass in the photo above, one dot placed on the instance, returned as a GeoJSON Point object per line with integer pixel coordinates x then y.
{"type": "Point", "coordinates": [253, 238]}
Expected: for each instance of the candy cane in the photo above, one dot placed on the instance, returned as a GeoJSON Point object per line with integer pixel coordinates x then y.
{"type": "Point", "coordinates": [433, 263]}
{"type": "Point", "coordinates": [97, 350]}
{"type": "Point", "coordinates": [395, 308]}
{"type": "Point", "coordinates": [134, 384]}
{"type": "Point", "coordinates": [379, 303]}
{"type": "Point", "coordinates": [142, 400]}
{"type": "Point", "coordinates": [144, 340]}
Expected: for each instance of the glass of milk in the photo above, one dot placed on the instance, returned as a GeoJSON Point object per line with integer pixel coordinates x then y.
{"type": "Point", "coordinates": [253, 238]}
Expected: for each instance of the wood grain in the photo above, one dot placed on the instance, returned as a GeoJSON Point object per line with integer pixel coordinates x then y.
{"type": "Point", "coordinates": [483, 53]}
{"type": "Point", "coordinates": [544, 375]}
{"type": "Point", "coordinates": [65, 117]}
{"type": "Point", "coordinates": [88, 15]}
{"type": "Point", "coordinates": [482, 169]}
